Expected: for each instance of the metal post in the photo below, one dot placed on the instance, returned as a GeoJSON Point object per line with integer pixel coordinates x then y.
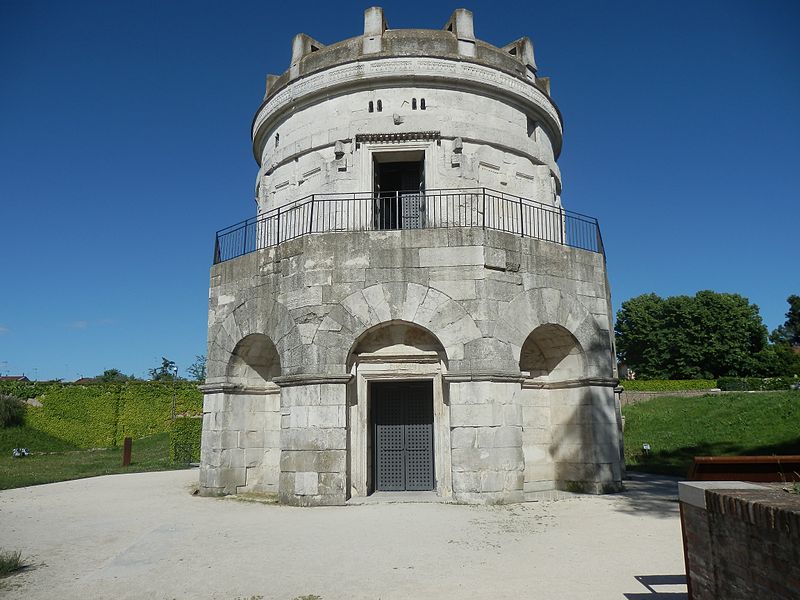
{"type": "Point", "coordinates": [599, 238]}
{"type": "Point", "coordinates": [244, 243]}
{"type": "Point", "coordinates": [216, 249]}
{"type": "Point", "coordinates": [174, 392]}
{"type": "Point", "coordinates": [521, 220]}
{"type": "Point", "coordinates": [311, 216]}
{"type": "Point", "coordinates": [126, 452]}
{"type": "Point", "coordinates": [483, 190]}
{"type": "Point", "coordinates": [278, 226]}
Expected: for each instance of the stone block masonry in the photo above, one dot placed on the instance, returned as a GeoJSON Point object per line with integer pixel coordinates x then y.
{"type": "Point", "coordinates": [511, 433]}
{"type": "Point", "coordinates": [376, 338]}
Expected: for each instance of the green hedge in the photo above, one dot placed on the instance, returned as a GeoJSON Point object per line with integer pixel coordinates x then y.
{"type": "Point", "coordinates": [754, 384]}
{"type": "Point", "coordinates": [101, 415]}
{"type": "Point", "coordinates": [184, 439]}
{"type": "Point", "coordinates": [667, 385]}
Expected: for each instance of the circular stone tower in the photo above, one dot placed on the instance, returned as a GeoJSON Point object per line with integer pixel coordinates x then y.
{"type": "Point", "coordinates": [411, 309]}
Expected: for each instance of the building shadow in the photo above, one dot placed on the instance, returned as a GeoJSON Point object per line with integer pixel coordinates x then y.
{"type": "Point", "coordinates": [653, 585]}
{"type": "Point", "coordinates": [657, 495]}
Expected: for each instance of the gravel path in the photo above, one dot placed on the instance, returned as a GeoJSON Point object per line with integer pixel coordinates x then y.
{"type": "Point", "coordinates": [144, 536]}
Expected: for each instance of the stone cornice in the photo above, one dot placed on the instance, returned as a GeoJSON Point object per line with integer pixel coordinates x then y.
{"type": "Point", "coordinates": [311, 379]}
{"type": "Point", "coordinates": [499, 376]}
{"type": "Point", "coordinates": [397, 137]}
{"type": "Point", "coordinates": [418, 357]}
{"type": "Point", "coordinates": [233, 388]}
{"type": "Point", "coordinates": [570, 383]}
{"type": "Point", "coordinates": [439, 72]}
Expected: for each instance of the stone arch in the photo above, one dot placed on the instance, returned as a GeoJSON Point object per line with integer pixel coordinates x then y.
{"type": "Point", "coordinates": [247, 350]}
{"type": "Point", "coordinates": [411, 303]}
{"type": "Point", "coordinates": [411, 359]}
{"type": "Point", "coordinates": [538, 307]}
{"type": "Point", "coordinates": [552, 352]}
{"type": "Point", "coordinates": [396, 340]}
{"type": "Point", "coordinates": [253, 316]}
{"type": "Point", "coordinates": [253, 361]}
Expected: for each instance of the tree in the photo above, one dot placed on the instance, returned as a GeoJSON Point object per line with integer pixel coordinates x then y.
{"type": "Point", "coordinates": [707, 335]}
{"type": "Point", "coordinates": [198, 368]}
{"type": "Point", "coordinates": [789, 332]}
{"type": "Point", "coordinates": [113, 376]}
{"type": "Point", "coordinates": [166, 372]}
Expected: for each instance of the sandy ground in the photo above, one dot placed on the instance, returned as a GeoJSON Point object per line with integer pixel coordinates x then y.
{"type": "Point", "coordinates": [145, 536]}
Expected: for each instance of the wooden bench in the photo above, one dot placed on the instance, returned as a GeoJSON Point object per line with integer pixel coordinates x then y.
{"type": "Point", "coordinates": [745, 468]}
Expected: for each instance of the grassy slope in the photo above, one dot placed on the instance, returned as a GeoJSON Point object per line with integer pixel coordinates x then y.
{"type": "Point", "coordinates": [148, 454]}
{"type": "Point", "coordinates": [678, 429]}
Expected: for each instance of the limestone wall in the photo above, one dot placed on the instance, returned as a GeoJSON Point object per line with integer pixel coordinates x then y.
{"type": "Point", "coordinates": [481, 294]}
{"type": "Point", "coordinates": [502, 147]}
{"type": "Point", "coordinates": [511, 333]}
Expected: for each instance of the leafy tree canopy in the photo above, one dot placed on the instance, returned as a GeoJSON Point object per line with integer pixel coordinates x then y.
{"type": "Point", "coordinates": [707, 335]}
{"type": "Point", "coordinates": [166, 372]}
{"type": "Point", "coordinates": [113, 375]}
{"type": "Point", "coordinates": [198, 368]}
{"type": "Point", "coordinates": [789, 332]}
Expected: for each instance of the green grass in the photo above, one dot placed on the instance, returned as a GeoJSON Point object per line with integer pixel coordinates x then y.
{"type": "Point", "coordinates": [23, 436]}
{"type": "Point", "coordinates": [667, 385]}
{"type": "Point", "coordinates": [54, 460]}
{"type": "Point", "coordinates": [10, 562]}
{"type": "Point", "coordinates": [678, 429]}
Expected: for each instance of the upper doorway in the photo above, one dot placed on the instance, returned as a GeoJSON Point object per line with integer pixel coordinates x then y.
{"type": "Point", "coordinates": [399, 186]}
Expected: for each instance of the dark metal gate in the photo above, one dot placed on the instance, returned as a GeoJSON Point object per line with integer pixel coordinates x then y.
{"type": "Point", "coordinates": [403, 436]}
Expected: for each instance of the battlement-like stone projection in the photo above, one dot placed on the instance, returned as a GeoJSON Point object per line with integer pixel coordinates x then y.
{"type": "Point", "coordinates": [401, 348]}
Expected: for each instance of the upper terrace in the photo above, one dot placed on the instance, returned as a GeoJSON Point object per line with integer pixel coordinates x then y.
{"type": "Point", "coordinates": [368, 211]}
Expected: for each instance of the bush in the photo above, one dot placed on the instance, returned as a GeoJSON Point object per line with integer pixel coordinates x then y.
{"type": "Point", "coordinates": [755, 384]}
{"type": "Point", "coordinates": [10, 562]}
{"type": "Point", "coordinates": [667, 385]}
{"type": "Point", "coordinates": [12, 410]}
{"type": "Point", "coordinates": [184, 439]}
{"type": "Point", "coordinates": [101, 415]}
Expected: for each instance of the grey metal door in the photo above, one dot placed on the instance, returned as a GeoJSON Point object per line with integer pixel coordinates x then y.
{"type": "Point", "coordinates": [413, 207]}
{"type": "Point", "coordinates": [403, 430]}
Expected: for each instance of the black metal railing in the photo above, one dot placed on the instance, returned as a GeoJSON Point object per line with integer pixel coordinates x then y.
{"type": "Point", "coordinates": [366, 211]}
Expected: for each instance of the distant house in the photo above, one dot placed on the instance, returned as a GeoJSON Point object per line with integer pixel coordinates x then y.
{"type": "Point", "coordinates": [84, 380]}
{"type": "Point", "coordinates": [13, 378]}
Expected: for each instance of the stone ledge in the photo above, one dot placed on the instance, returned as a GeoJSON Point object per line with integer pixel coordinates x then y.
{"type": "Point", "coordinates": [694, 492]}
{"type": "Point", "coordinates": [464, 376]}
{"type": "Point", "coordinates": [311, 379]}
{"type": "Point", "coordinates": [571, 383]}
{"type": "Point", "coordinates": [233, 388]}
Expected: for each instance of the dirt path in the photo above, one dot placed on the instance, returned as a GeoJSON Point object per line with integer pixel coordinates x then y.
{"type": "Point", "coordinates": [144, 536]}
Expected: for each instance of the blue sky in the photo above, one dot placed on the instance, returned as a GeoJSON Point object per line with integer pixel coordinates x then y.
{"type": "Point", "coordinates": [124, 145]}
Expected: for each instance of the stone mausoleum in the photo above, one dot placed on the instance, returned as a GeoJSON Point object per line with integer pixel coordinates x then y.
{"type": "Point", "coordinates": [411, 308]}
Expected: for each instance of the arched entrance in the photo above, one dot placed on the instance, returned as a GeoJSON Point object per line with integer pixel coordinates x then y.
{"type": "Point", "coordinates": [398, 422]}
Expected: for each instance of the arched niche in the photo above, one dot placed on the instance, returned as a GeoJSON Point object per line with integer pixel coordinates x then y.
{"type": "Point", "coordinates": [254, 361]}
{"type": "Point", "coordinates": [552, 352]}
{"type": "Point", "coordinates": [397, 341]}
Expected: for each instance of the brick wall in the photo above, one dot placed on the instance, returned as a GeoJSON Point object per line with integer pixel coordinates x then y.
{"type": "Point", "coordinates": [743, 544]}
